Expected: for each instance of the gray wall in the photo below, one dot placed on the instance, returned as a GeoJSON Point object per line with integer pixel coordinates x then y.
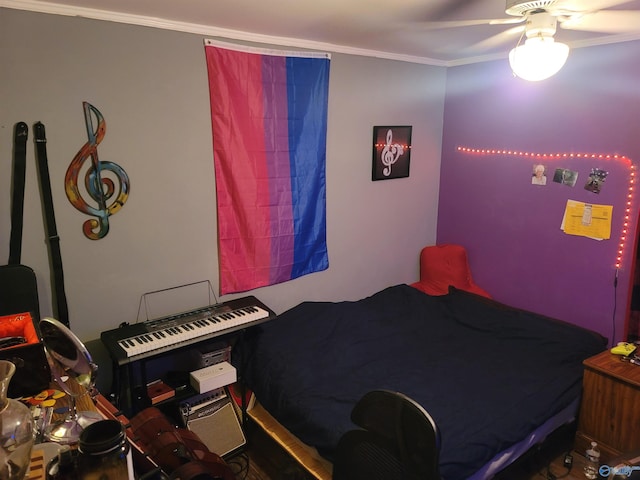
{"type": "Point", "coordinates": [151, 86]}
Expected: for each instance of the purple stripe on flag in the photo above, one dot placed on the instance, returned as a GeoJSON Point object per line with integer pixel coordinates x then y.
{"type": "Point", "coordinates": [274, 78]}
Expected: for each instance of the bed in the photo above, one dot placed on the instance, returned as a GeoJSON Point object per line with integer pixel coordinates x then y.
{"type": "Point", "coordinates": [495, 379]}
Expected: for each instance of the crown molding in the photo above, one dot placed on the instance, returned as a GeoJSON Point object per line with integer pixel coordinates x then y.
{"type": "Point", "coordinates": [206, 30]}
{"type": "Point", "coordinates": [210, 31]}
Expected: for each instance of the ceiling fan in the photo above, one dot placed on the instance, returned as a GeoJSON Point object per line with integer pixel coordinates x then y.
{"type": "Point", "coordinates": [537, 55]}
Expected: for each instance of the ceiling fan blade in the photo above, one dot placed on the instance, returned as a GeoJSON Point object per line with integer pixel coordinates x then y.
{"type": "Point", "coordinates": [470, 23]}
{"type": "Point", "coordinates": [507, 21]}
{"type": "Point", "coordinates": [498, 39]}
{"type": "Point", "coordinates": [585, 6]}
{"type": "Point", "coordinates": [605, 21]}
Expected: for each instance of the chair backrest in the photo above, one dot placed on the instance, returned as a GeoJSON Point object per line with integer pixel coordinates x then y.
{"type": "Point", "coordinates": [398, 441]}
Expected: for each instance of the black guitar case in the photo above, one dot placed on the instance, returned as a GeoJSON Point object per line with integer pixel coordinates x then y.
{"type": "Point", "coordinates": [19, 294]}
{"type": "Point", "coordinates": [19, 290]}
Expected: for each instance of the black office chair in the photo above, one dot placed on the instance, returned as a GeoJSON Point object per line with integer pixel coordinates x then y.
{"type": "Point", "coordinates": [398, 441]}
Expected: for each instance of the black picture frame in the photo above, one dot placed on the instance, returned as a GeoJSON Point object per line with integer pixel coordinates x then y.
{"type": "Point", "coordinates": [391, 152]}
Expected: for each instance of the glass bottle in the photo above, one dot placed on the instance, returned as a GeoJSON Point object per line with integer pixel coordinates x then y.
{"type": "Point", "coordinates": [593, 461]}
{"type": "Point", "coordinates": [16, 430]}
{"type": "Point", "coordinates": [104, 452]}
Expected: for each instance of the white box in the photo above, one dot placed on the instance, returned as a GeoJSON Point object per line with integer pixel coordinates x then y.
{"type": "Point", "coordinates": [213, 376]}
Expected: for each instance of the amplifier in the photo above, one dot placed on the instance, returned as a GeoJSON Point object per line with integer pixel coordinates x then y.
{"type": "Point", "coordinates": [212, 416]}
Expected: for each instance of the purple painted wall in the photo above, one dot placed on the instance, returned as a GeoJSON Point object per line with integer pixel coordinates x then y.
{"type": "Point", "coordinates": [511, 228]}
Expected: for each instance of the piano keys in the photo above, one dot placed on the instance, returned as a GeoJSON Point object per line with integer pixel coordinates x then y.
{"type": "Point", "coordinates": [144, 339]}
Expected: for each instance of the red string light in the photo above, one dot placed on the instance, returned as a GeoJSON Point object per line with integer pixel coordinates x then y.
{"type": "Point", "coordinates": [597, 156]}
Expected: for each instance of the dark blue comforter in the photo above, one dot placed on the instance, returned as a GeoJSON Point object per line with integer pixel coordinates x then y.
{"type": "Point", "coordinates": [488, 374]}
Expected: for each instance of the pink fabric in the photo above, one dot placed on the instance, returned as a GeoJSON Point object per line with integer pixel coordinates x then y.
{"type": "Point", "coordinates": [445, 265]}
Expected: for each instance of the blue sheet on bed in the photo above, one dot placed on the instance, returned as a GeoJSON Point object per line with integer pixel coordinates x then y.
{"type": "Point", "coordinates": [488, 374]}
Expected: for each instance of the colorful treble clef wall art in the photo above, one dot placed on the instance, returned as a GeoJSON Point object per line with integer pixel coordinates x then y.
{"type": "Point", "coordinates": [106, 183]}
{"type": "Point", "coordinates": [391, 152]}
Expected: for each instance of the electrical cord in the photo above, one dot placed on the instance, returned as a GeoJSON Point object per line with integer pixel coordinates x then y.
{"type": "Point", "coordinates": [240, 466]}
{"type": "Point", "coordinates": [567, 463]}
{"type": "Point", "coordinates": [615, 308]}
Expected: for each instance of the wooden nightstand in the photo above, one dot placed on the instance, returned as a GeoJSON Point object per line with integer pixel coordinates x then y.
{"type": "Point", "coordinates": [610, 410]}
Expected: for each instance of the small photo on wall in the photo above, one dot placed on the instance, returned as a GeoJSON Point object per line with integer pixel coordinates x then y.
{"type": "Point", "coordinates": [595, 180]}
{"type": "Point", "coordinates": [565, 177]}
{"type": "Point", "coordinates": [539, 175]}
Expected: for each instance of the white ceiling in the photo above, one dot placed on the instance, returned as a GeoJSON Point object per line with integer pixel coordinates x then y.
{"type": "Point", "coordinates": [384, 28]}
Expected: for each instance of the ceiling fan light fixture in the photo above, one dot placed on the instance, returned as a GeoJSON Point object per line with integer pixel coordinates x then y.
{"type": "Point", "coordinates": [539, 58]}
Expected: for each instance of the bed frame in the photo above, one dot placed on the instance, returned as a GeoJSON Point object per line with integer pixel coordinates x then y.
{"type": "Point", "coordinates": [308, 457]}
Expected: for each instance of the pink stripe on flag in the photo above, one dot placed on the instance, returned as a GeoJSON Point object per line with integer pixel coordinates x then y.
{"type": "Point", "coordinates": [242, 182]}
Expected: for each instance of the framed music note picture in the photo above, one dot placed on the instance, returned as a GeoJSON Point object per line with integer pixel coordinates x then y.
{"type": "Point", "coordinates": [391, 152]}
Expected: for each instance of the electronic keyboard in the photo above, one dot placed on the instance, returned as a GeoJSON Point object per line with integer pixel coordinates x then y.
{"type": "Point", "coordinates": [136, 341]}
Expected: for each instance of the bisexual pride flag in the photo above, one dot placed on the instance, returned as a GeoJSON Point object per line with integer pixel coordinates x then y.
{"type": "Point", "coordinates": [269, 122]}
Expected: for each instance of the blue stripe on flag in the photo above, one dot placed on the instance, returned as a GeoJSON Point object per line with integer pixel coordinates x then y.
{"type": "Point", "coordinates": [307, 94]}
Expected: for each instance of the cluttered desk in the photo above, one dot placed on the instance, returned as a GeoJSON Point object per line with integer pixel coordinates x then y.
{"type": "Point", "coordinates": [45, 427]}
{"type": "Point", "coordinates": [52, 404]}
{"type": "Point", "coordinates": [69, 430]}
